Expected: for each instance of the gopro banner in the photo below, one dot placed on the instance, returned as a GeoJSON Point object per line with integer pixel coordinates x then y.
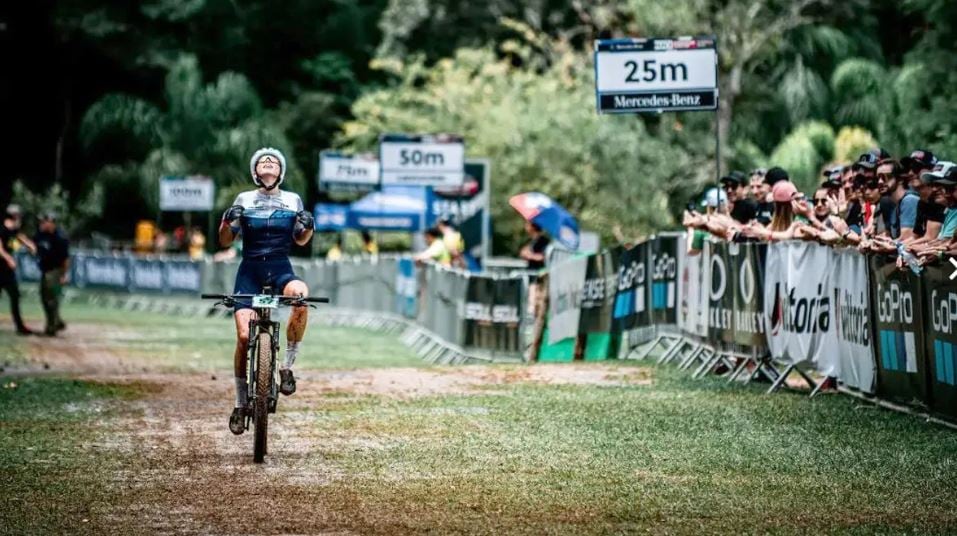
{"type": "Point", "coordinates": [798, 308]}
{"type": "Point", "coordinates": [851, 295]}
{"type": "Point", "coordinates": [899, 340]}
{"type": "Point", "coordinates": [664, 279]}
{"type": "Point", "coordinates": [565, 285]}
{"type": "Point", "coordinates": [186, 193]}
{"type": "Point", "coordinates": [631, 309]}
{"type": "Point", "coordinates": [940, 299]}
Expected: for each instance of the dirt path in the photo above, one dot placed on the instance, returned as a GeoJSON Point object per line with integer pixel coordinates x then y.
{"type": "Point", "coordinates": [174, 466]}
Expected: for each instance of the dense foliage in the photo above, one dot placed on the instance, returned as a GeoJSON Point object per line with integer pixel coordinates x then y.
{"type": "Point", "coordinates": [803, 83]}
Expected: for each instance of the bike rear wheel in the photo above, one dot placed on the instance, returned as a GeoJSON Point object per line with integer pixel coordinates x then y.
{"type": "Point", "coordinates": [261, 408]}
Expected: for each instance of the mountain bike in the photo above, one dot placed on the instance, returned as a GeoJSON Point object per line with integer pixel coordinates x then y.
{"type": "Point", "coordinates": [263, 394]}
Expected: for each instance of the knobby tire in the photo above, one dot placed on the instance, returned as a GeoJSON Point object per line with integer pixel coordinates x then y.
{"type": "Point", "coordinates": [261, 409]}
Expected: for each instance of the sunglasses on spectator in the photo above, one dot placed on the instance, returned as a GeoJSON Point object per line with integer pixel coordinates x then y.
{"type": "Point", "coordinates": [799, 198]}
{"type": "Point", "coordinates": [820, 201]}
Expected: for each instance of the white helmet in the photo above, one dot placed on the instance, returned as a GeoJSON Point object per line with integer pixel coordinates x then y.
{"type": "Point", "coordinates": [261, 153]}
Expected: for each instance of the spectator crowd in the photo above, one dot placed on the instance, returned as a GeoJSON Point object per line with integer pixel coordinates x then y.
{"type": "Point", "coordinates": [878, 204]}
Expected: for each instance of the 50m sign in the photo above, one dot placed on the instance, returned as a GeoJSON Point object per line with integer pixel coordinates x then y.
{"type": "Point", "coordinates": [430, 160]}
{"type": "Point", "coordinates": [656, 75]}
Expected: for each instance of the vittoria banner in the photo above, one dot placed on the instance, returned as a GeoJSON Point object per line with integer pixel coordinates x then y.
{"type": "Point", "coordinates": [851, 299]}
{"type": "Point", "coordinates": [798, 307]}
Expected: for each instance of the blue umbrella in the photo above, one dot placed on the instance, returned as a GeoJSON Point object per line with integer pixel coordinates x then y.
{"type": "Point", "coordinates": [544, 212]}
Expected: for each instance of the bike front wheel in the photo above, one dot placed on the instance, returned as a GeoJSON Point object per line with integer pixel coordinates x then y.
{"type": "Point", "coordinates": [261, 407]}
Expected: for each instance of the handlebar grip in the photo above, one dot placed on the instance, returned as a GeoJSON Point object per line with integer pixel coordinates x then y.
{"type": "Point", "coordinates": [317, 300]}
{"type": "Point", "coordinates": [211, 296]}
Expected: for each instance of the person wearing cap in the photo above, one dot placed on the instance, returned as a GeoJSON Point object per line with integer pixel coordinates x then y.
{"type": "Point", "coordinates": [929, 213]}
{"type": "Point", "coordinates": [766, 204]}
{"type": "Point", "coordinates": [10, 237]}
{"type": "Point", "coordinates": [945, 243]}
{"type": "Point", "coordinates": [270, 221]}
{"type": "Point", "coordinates": [715, 203]}
{"type": "Point", "coordinates": [788, 222]}
{"type": "Point", "coordinates": [931, 206]}
{"type": "Point", "coordinates": [53, 259]}
{"type": "Point", "coordinates": [735, 186]}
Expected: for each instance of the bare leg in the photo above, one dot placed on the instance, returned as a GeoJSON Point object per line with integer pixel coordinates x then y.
{"type": "Point", "coordinates": [243, 316]}
{"type": "Point", "coordinates": [297, 320]}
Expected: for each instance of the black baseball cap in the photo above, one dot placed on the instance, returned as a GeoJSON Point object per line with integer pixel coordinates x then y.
{"type": "Point", "coordinates": [775, 175]}
{"type": "Point", "coordinates": [919, 159]}
{"type": "Point", "coordinates": [949, 178]}
{"type": "Point", "coordinates": [735, 177]}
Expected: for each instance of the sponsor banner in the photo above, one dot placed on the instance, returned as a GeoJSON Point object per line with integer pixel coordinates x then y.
{"type": "Point", "coordinates": [491, 314]}
{"type": "Point", "coordinates": [747, 265]}
{"type": "Point", "coordinates": [695, 282]}
{"type": "Point", "coordinates": [186, 193]}
{"type": "Point", "coordinates": [664, 280]}
{"type": "Point", "coordinates": [721, 290]}
{"type": "Point", "coordinates": [721, 279]}
{"type": "Point", "coordinates": [851, 299]}
{"type": "Point", "coordinates": [95, 271]}
{"type": "Point", "coordinates": [146, 275]}
{"type": "Point", "coordinates": [599, 293]}
{"type": "Point", "coordinates": [406, 288]}
{"type": "Point", "coordinates": [631, 308]}
{"type": "Point", "coordinates": [422, 160]}
{"type": "Point", "coordinates": [565, 285]}
{"type": "Point", "coordinates": [797, 304]}
{"type": "Point", "coordinates": [940, 298]}
{"type": "Point", "coordinates": [183, 276]}
{"type": "Point", "coordinates": [898, 336]}
{"type": "Point", "coordinates": [347, 172]}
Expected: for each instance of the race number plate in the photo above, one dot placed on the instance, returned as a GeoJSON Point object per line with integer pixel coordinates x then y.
{"type": "Point", "coordinates": [265, 301]}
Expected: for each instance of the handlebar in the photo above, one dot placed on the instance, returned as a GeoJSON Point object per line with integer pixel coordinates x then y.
{"type": "Point", "coordinates": [246, 296]}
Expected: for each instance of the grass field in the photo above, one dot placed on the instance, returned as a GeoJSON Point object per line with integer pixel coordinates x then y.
{"type": "Point", "coordinates": [375, 442]}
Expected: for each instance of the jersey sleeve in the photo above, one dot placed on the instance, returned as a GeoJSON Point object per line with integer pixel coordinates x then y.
{"type": "Point", "coordinates": [909, 211]}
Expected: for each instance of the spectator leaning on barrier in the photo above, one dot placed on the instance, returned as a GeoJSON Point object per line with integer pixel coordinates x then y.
{"type": "Point", "coordinates": [833, 229]}
{"type": "Point", "coordinates": [933, 204]}
{"type": "Point", "coordinates": [453, 241]}
{"type": "Point", "coordinates": [369, 245]}
{"type": "Point", "coordinates": [761, 193]}
{"type": "Point", "coordinates": [53, 259]}
{"type": "Point", "coordinates": [945, 244]}
{"type": "Point", "coordinates": [787, 222]}
{"type": "Point", "coordinates": [714, 202]}
{"type": "Point", "coordinates": [908, 206]}
{"type": "Point", "coordinates": [10, 235]}
{"type": "Point", "coordinates": [436, 251]}
{"type": "Point", "coordinates": [743, 209]}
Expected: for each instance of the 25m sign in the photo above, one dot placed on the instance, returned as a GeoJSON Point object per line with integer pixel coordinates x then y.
{"type": "Point", "coordinates": [656, 75]}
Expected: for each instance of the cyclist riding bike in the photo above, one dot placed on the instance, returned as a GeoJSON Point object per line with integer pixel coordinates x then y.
{"type": "Point", "coordinates": [269, 220]}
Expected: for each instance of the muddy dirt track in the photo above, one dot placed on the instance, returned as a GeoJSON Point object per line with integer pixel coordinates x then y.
{"type": "Point", "coordinates": [173, 467]}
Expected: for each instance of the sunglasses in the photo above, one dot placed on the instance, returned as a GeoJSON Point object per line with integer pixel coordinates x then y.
{"type": "Point", "coordinates": [820, 201]}
{"type": "Point", "coordinates": [800, 198]}
{"type": "Point", "coordinates": [267, 160]}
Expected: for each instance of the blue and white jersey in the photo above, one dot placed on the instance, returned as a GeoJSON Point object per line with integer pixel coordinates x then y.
{"type": "Point", "coordinates": [268, 223]}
